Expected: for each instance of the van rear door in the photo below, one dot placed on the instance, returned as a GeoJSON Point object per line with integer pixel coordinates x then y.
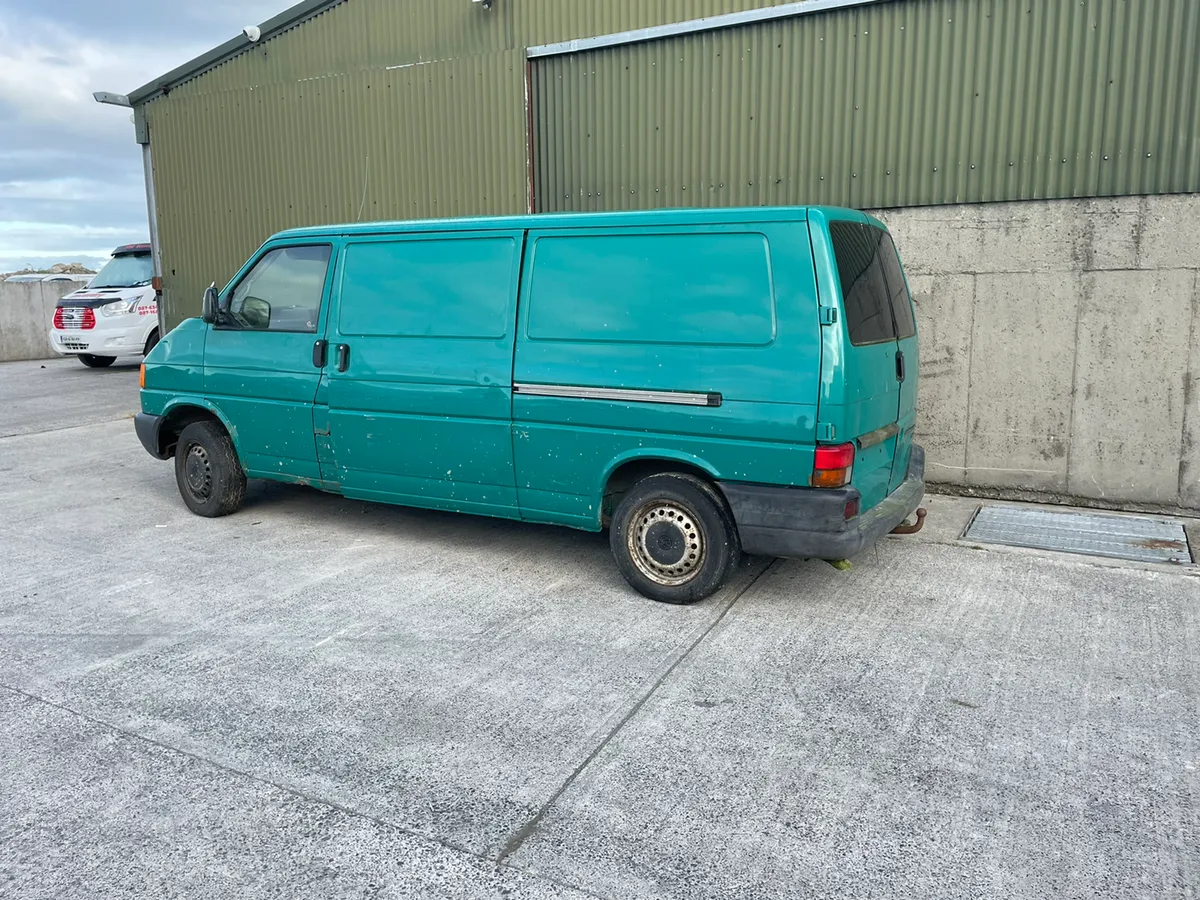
{"type": "Point", "coordinates": [868, 365]}
{"type": "Point", "coordinates": [906, 355]}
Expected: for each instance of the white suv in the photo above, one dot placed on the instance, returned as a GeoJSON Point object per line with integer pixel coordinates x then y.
{"type": "Point", "coordinates": [115, 315]}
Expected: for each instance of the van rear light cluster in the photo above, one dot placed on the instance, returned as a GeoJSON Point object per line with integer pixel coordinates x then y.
{"type": "Point", "coordinates": [78, 318]}
{"type": "Point", "coordinates": [833, 465]}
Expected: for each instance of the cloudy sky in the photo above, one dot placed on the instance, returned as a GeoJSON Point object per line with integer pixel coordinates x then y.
{"type": "Point", "coordinates": [70, 172]}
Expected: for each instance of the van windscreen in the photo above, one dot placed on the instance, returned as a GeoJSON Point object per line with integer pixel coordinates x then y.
{"type": "Point", "coordinates": [867, 266]}
{"type": "Point", "coordinates": [125, 271]}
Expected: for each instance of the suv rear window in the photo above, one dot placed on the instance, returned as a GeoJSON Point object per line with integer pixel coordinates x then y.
{"type": "Point", "coordinates": [874, 294]}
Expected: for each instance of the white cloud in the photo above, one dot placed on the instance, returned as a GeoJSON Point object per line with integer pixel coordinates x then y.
{"type": "Point", "coordinates": [15, 231]}
{"type": "Point", "coordinates": [48, 73]}
{"type": "Point", "coordinates": [24, 243]}
{"type": "Point", "coordinates": [236, 12]}
{"type": "Point", "coordinates": [67, 189]}
{"type": "Point", "coordinates": [70, 169]}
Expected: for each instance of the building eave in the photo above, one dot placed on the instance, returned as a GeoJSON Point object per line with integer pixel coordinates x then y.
{"type": "Point", "coordinates": [287, 19]}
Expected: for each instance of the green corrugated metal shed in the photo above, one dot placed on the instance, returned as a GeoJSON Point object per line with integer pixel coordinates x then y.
{"type": "Point", "coordinates": [354, 110]}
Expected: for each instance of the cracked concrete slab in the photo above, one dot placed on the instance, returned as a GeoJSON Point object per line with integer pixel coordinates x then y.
{"type": "Point", "coordinates": [104, 814]}
{"type": "Point", "coordinates": [318, 697]}
{"type": "Point", "coordinates": [937, 722]}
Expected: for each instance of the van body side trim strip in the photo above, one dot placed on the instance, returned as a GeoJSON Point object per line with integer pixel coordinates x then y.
{"type": "Point", "coordinates": [579, 392]}
{"type": "Point", "coordinates": [878, 436]}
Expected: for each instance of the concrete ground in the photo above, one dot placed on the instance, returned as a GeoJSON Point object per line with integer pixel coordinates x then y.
{"type": "Point", "coordinates": [323, 698]}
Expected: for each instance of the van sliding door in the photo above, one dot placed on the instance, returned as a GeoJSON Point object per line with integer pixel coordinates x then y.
{"type": "Point", "coordinates": [419, 370]}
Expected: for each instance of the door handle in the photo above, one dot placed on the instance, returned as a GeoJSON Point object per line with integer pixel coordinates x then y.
{"type": "Point", "coordinates": [899, 365]}
{"type": "Point", "coordinates": [319, 353]}
{"type": "Point", "coordinates": [343, 357]}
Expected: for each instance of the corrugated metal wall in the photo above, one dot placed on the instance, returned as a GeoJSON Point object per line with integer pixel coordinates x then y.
{"type": "Point", "coordinates": [890, 104]}
{"type": "Point", "coordinates": [359, 35]}
{"type": "Point", "coordinates": [412, 108]}
{"type": "Point", "coordinates": [548, 21]}
{"type": "Point", "coordinates": [427, 140]}
{"type": "Point", "coordinates": [437, 139]}
{"type": "Point", "coordinates": [757, 115]}
{"type": "Point", "coordinates": [421, 101]}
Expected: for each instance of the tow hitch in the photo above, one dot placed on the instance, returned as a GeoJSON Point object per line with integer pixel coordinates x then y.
{"type": "Point", "coordinates": [914, 528]}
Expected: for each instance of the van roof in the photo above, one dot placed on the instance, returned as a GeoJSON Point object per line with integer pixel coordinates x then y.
{"type": "Point", "coordinates": [632, 218]}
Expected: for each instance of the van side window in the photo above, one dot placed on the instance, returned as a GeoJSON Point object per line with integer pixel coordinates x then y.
{"type": "Point", "coordinates": [711, 289]}
{"type": "Point", "coordinates": [451, 288]}
{"type": "Point", "coordinates": [282, 292]}
{"type": "Point", "coordinates": [897, 287]}
{"type": "Point", "coordinates": [864, 288]}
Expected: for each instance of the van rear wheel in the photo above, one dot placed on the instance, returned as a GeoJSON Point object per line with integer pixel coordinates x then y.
{"type": "Point", "coordinates": [674, 538]}
{"type": "Point", "coordinates": [210, 478]}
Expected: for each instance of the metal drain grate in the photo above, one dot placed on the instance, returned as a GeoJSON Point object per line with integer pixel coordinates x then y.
{"type": "Point", "coordinates": [1119, 537]}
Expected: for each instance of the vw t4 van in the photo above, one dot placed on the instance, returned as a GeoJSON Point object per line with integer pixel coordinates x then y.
{"type": "Point", "coordinates": [702, 383]}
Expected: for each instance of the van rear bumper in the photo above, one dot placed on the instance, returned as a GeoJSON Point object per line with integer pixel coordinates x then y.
{"type": "Point", "coordinates": [811, 523]}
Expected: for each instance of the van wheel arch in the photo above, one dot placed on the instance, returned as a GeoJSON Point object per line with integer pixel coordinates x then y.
{"type": "Point", "coordinates": [629, 473]}
{"type": "Point", "coordinates": [673, 537]}
{"type": "Point", "coordinates": [180, 418]}
{"type": "Point", "coordinates": [151, 339]}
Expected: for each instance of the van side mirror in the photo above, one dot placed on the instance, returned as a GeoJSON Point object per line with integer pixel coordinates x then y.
{"type": "Point", "coordinates": [209, 310]}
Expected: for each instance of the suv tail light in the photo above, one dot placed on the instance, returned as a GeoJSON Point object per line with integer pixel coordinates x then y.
{"type": "Point", "coordinates": [833, 465]}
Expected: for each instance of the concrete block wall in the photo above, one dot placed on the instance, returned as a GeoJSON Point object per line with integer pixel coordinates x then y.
{"type": "Point", "coordinates": [27, 312]}
{"type": "Point", "coordinates": [26, 315]}
{"type": "Point", "coordinates": [1060, 345]}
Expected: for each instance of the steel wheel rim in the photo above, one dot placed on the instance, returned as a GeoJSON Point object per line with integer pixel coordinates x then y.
{"type": "Point", "coordinates": [197, 472]}
{"type": "Point", "coordinates": [657, 530]}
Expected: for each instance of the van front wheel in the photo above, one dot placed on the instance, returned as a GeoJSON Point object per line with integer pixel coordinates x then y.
{"type": "Point", "coordinates": [210, 478]}
{"type": "Point", "coordinates": [674, 538]}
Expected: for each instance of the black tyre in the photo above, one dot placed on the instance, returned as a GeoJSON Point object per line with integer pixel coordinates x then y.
{"type": "Point", "coordinates": [210, 478]}
{"type": "Point", "coordinates": [96, 362]}
{"type": "Point", "coordinates": [674, 538]}
{"type": "Point", "coordinates": [150, 342]}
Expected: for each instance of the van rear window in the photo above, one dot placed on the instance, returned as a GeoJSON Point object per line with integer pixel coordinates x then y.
{"type": "Point", "coordinates": [865, 293]}
{"type": "Point", "coordinates": [712, 289]}
{"type": "Point", "coordinates": [897, 287]}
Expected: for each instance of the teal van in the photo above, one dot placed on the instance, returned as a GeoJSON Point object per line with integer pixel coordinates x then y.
{"type": "Point", "coordinates": [700, 382]}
